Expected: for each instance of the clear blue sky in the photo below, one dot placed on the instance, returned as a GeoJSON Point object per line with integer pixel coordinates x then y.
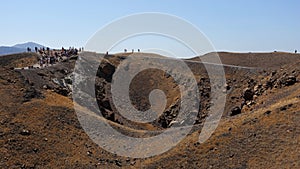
{"type": "Point", "coordinates": [254, 25]}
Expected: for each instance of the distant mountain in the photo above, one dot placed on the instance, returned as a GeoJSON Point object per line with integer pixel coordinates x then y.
{"type": "Point", "coordinates": [5, 50]}
{"type": "Point", "coordinates": [31, 45]}
{"type": "Point", "coordinates": [19, 48]}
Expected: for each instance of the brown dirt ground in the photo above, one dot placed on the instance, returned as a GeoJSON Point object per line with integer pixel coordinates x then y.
{"type": "Point", "coordinates": [44, 132]}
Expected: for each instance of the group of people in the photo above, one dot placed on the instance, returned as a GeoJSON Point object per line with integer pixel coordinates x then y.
{"type": "Point", "coordinates": [50, 56]}
{"type": "Point", "coordinates": [132, 51]}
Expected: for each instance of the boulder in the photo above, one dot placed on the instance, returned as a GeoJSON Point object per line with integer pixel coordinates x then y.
{"type": "Point", "coordinates": [25, 132]}
{"type": "Point", "coordinates": [290, 80]}
{"type": "Point", "coordinates": [235, 111]}
{"type": "Point", "coordinates": [248, 94]}
{"type": "Point", "coordinates": [62, 91]}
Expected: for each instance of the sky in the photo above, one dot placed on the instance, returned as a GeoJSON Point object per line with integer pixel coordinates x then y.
{"type": "Point", "coordinates": [233, 25]}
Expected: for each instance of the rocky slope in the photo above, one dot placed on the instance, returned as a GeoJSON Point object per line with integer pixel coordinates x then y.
{"type": "Point", "coordinates": [259, 126]}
